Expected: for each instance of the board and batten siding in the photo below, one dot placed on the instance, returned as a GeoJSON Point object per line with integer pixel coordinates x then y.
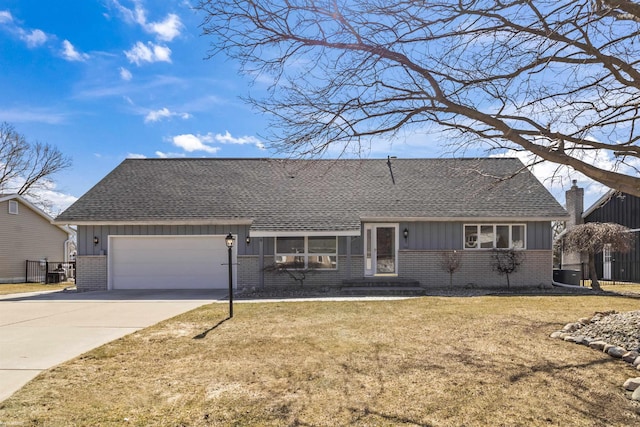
{"type": "Point", "coordinates": [422, 236]}
{"type": "Point", "coordinates": [449, 235]}
{"type": "Point", "coordinates": [26, 236]}
{"type": "Point", "coordinates": [86, 233]}
{"type": "Point", "coordinates": [624, 210]}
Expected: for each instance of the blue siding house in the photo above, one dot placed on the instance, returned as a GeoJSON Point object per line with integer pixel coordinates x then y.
{"type": "Point", "coordinates": [161, 223]}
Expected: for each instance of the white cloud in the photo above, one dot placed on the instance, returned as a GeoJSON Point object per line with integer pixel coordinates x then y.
{"type": "Point", "coordinates": [191, 143]}
{"type": "Point", "coordinates": [558, 178]}
{"type": "Point", "coordinates": [70, 53]}
{"type": "Point", "coordinates": [28, 114]}
{"type": "Point", "coordinates": [49, 199]}
{"type": "Point", "coordinates": [136, 156]}
{"type": "Point", "coordinates": [227, 138]}
{"type": "Point", "coordinates": [165, 30]}
{"type": "Point", "coordinates": [125, 74]}
{"type": "Point", "coordinates": [35, 38]}
{"type": "Point", "coordinates": [164, 113]}
{"type": "Point", "coordinates": [162, 155]}
{"type": "Point", "coordinates": [5, 16]}
{"type": "Point", "coordinates": [154, 116]}
{"type": "Point", "coordinates": [150, 52]}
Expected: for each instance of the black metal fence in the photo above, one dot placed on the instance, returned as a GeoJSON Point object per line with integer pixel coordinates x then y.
{"type": "Point", "coordinates": [49, 271]}
{"type": "Point", "coordinates": [621, 272]}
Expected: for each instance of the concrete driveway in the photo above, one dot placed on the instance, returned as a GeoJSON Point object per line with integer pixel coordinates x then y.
{"type": "Point", "coordinates": [39, 331]}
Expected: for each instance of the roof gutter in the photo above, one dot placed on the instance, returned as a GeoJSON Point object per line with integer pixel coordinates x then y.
{"type": "Point", "coordinates": [298, 233]}
{"type": "Point", "coordinates": [223, 221]}
{"type": "Point", "coordinates": [488, 219]}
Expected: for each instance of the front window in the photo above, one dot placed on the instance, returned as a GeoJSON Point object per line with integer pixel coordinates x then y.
{"type": "Point", "coordinates": [490, 236]}
{"type": "Point", "coordinates": [310, 252]}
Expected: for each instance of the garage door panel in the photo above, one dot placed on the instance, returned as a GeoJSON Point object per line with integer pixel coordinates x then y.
{"type": "Point", "coordinates": [163, 262]}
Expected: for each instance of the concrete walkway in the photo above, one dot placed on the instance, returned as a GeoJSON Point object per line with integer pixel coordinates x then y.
{"type": "Point", "coordinates": [39, 331]}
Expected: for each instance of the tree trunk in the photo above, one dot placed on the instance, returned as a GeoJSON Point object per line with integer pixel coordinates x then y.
{"type": "Point", "coordinates": [593, 275]}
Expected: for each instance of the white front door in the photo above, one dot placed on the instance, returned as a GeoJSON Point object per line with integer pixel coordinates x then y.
{"type": "Point", "coordinates": [606, 262]}
{"type": "Point", "coordinates": [380, 249]}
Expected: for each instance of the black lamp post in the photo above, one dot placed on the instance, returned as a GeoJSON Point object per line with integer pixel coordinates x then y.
{"type": "Point", "coordinates": [229, 242]}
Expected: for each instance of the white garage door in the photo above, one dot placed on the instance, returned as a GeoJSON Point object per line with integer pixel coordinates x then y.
{"type": "Point", "coordinates": [168, 262]}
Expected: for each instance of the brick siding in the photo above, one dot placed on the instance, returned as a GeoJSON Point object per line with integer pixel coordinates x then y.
{"type": "Point", "coordinates": [424, 266]}
{"type": "Point", "coordinates": [249, 273]}
{"type": "Point", "coordinates": [91, 273]}
{"type": "Point", "coordinates": [475, 269]}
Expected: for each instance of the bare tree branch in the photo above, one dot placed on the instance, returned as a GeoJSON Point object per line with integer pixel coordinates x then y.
{"type": "Point", "coordinates": [24, 166]}
{"type": "Point", "coordinates": [557, 78]}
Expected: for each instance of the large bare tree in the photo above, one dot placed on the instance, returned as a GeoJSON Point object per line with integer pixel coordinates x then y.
{"type": "Point", "coordinates": [26, 166]}
{"type": "Point", "coordinates": [556, 78]}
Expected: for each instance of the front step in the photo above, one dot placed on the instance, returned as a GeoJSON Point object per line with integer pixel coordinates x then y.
{"type": "Point", "coordinates": [382, 290]}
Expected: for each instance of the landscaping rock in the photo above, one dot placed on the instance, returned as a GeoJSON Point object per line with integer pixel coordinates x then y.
{"type": "Point", "coordinates": [620, 329]}
{"type": "Point", "coordinates": [637, 361]}
{"type": "Point", "coordinates": [632, 383]}
{"type": "Point", "coordinates": [571, 327]}
{"type": "Point", "coordinates": [578, 339]}
{"type": "Point", "coordinates": [556, 334]}
{"type": "Point", "coordinates": [615, 351]}
{"type": "Point", "coordinates": [583, 340]}
{"type": "Point", "coordinates": [597, 345]}
{"type": "Point", "coordinates": [636, 395]}
{"type": "Point", "coordinates": [630, 356]}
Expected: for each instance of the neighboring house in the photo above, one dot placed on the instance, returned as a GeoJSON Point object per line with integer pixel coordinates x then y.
{"type": "Point", "coordinates": [28, 233]}
{"type": "Point", "coordinates": [161, 223]}
{"type": "Point", "coordinates": [623, 209]}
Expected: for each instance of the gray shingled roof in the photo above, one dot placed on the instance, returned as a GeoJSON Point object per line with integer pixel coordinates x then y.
{"type": "Point", "coordinates": [312, 195]}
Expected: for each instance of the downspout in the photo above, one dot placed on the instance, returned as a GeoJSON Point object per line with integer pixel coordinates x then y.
{"type": "Point", "coordinates": [564, 285]}
{"type": "Point", "coordinates": [66, 244]}
{"type": "Point", "coordinates": [261, 262]}
{"type": "Point", "coordinates": [66, 250]}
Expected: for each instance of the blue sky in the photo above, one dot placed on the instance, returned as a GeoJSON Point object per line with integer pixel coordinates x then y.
{"type": "Point", "coordinates": [104, 80]}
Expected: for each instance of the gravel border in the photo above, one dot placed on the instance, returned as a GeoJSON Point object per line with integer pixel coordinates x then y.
{"type": "Point", "coordinates": [283, 292]}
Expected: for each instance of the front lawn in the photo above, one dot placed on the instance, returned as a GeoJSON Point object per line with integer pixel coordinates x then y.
{"type": "Point", "coordinates": [17, 288]}
{"type": "Point", "coordinates": [430, 361]}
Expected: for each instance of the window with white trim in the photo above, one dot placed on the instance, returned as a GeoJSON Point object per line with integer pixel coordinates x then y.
{"type": "Point", "coordinates": [13, 207]}
{"type": "Point", "coordinates": [307, 252]}
{"type": "Point", "coordinates": [494, 236]}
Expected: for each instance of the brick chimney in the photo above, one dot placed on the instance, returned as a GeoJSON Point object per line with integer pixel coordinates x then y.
{"type": "Point", "coordinates": [574, 199]}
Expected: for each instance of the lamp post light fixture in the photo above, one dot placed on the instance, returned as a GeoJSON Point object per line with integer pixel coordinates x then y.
{"type": "Point", "coordinates": [229, 242]}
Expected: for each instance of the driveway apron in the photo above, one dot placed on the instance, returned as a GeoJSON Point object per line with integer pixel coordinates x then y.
{"type": "Point", "coordinates": [39, 331]}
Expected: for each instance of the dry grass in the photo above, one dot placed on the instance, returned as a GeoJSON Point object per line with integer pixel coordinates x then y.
{"type": "Point", "coordinates": [17, 288]}
{"type": "Point", "coordinates": [621, 287]}
{"type": "Point", "coordinates": [431, 361]}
